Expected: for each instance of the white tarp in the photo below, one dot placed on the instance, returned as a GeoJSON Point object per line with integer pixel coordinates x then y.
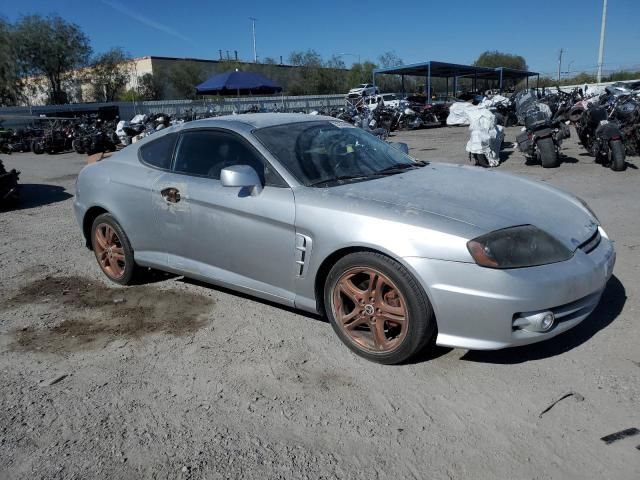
{"type": "Point", "coordinates": [457, 113]}
{"type": "Point", "coordinates": [139, 119]}
{"type": "Point", "coordinates": [494, 101]}
{"type": "Point", "coordinates": [486, 137]}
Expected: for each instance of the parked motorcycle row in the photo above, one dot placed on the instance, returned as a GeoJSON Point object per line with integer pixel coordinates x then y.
{"type": "Point", "coordinates": [88, 134]}
{"type": "Point", "coordinates": [607, 125]}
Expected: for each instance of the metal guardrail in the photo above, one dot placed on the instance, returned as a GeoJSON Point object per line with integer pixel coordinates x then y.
{"type": "Point", "coordinates": [11, 116]}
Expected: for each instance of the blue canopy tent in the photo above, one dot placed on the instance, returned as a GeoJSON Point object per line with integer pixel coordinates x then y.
{"type": "Point", "coordinates": [238, 83]}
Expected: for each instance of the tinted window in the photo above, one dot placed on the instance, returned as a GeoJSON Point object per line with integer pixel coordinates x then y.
{"type": "Point", "coordinates": [158, 152]}
{"type": "Point", "coordinates": [206, 152]}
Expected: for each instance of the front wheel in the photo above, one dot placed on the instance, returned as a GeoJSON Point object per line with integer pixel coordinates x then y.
{"type": "Point", "coordinates": [377, 308]}
{"type": "Point", "coordinates": [616, 156]}
{"type": "Point", "coordinates": [547, 153]}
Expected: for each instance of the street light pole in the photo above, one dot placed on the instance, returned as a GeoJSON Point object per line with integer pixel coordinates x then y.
{"type": "Point", "coordinates": [602, 28]}
{"type": "Point", "coordinates": [253, 29]}
{"type": "Point", "coordinates": [559, 64]}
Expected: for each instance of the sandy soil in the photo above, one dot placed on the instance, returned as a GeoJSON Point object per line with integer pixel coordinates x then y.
{"type": "Point", "coordinates": [176, 379]}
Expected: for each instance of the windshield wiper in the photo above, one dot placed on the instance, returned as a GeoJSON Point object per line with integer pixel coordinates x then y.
{"type": "Point", "coordinates": [401, 168]}
{"type": "Point", "coordinates": [345, 177]}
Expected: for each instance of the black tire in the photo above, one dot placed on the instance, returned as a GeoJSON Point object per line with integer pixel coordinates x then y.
{"type": "Point", "coordinates": [420, 321]}
{"type": "Point", "coordinates": [131, 270]}
{"type": "Point", "coordinates": [616, 155]}
{"type": "Point", "coordinates": [37, 148]}
{"type": "Point", "coordinates": [547, 153]}
{"type": "Point", "coordinates": [481, 160]}
{"type": "Point", "coordinates": [77, 146]}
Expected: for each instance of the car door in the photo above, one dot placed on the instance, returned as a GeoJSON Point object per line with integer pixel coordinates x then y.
{"type": "Point", "coordinates": [224, 233]}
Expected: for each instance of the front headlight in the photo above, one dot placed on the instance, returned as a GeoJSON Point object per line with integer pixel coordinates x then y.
{"type": "Point", "coordinates": [516, 247]}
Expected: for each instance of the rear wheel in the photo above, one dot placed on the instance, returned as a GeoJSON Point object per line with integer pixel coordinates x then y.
{"type": "Point", "coordinates": [547, 153]}
{"type": "Point", "coordinates": [616, 156]}
{"type": "Point", "coordinates": [113, 250]}
{"type": "Point", "coordinates": [77, 146]}
{"type": "Point", "coordinates": [377, 308]}
{"type": "Point", "coordinates": [37, 147]}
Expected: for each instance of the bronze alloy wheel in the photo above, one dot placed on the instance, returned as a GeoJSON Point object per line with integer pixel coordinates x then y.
{"type": "Point", "coordinates": [109, 251]}
{"type": "Point", "coordinates": [370, 309]}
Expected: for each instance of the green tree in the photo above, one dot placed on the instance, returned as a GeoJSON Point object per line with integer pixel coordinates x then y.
{"type": "Point", "coordinates": [494, 59]}
{"type": "Point", "coordinates": [389, 59]}
{"type": "Point", "coordinates": [361, 73]}
{"type": "Point", "coordinates": [308, 78]}
{"type": "Point", "coordinates": [184, 77]}
{"type": "Point", "coordinates": [10, 85]}
{"type": "Point", "coordinates": [389, 83]}
{"type": "Point", "coordinates": [307, 59]}
{"type": "Point", "coordinates": [50, 47]}
{"type": "Point", "coordinates": [152, 87]}
{"type": "Point", "coordinates": [109, 74]}
{"type": "Point", "coordinates": [129, 96]}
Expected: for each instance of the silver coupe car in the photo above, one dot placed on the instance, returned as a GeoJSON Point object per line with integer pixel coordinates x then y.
{"type": "Point", "coordinates": [313, 213]}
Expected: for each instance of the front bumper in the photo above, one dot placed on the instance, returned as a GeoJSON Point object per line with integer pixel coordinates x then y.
{"type": "Point", "coordinates": [79, 210]}
{"type": "Point", "coordinates": [475, 306]}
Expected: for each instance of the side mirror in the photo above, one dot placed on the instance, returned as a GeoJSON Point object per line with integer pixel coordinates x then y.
{"type": "Point", "coordinates": [241, 176]}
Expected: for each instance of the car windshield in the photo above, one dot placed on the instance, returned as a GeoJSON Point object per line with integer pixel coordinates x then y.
{"type": "Point", "coordinates": [328, 153]}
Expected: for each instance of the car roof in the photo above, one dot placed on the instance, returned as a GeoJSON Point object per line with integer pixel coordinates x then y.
{"type": "Point", "coordinates": [257, 120]}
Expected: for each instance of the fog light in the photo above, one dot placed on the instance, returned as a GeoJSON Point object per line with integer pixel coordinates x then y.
{"type": "Point", "coordinates": [547, 321]}
{"type": "Point", "coordinates": [535, 322]}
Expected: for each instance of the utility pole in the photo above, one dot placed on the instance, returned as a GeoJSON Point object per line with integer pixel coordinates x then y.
{"type": "Point", "coordinates": [253, 28]}
{"type": "Point", "coordinates": [559, 63]}
{"type": "Point", "coordinates": [602, 28]}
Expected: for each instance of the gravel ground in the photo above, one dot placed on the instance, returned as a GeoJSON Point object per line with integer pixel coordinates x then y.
{"type": "Point", "coordinates": [176, 379]}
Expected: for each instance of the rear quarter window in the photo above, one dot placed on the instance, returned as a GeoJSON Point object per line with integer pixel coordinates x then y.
{"type": "Point", "coordinates": [158, 153]}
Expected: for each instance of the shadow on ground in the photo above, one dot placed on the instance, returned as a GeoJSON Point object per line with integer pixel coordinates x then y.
{"type": "Point", "coordinates": [610, 306]}
{"type": "Point", "coordinates": [235, 293]}
{"type": "Point", "coordinates": [37, 194]}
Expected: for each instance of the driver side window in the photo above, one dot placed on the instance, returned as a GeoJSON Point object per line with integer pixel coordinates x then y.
{"type": "Point", "coordinates": [205, 153]}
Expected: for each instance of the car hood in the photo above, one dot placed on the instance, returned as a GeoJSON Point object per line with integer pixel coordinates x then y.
{"type": "Point", "coordinates": [485, 199]}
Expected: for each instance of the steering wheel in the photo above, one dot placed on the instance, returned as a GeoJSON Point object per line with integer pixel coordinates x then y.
{"type": "Point", "coordinates": [337, 150]}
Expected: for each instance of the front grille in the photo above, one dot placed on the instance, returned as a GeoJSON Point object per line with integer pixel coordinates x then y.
{"type": "Point", "coordinates": [592, 243]}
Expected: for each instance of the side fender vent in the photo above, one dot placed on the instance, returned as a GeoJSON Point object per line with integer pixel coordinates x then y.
{"type": "Point", "coordinates": [303, 252]}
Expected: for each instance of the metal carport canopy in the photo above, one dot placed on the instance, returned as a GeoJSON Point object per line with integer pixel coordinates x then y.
{"type": "Point", "coordinates": [436, 69]}
{"type": "Point", "coordinates": [445, 70]}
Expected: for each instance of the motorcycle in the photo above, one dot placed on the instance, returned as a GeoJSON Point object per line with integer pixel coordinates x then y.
{"type": "Point", "coordinates": [602, 137]}
{"type": "Point", "coordinates": [542, 136]}
{"type": "Point", "coordinates": [627, 114]}
{"type": "Point", "coordinates": [9, 188]}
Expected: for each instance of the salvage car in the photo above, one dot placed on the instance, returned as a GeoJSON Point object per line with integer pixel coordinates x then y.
{"type": "Point", "coordinates": [363, 90]}
{"type": "Point", "coordinates": [314, 213]}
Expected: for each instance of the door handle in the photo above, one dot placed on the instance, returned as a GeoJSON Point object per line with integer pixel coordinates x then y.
{"type": "Point", "coordinates": [171, 194]}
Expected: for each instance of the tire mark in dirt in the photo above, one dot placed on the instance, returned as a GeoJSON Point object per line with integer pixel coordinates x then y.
{"type": "Point", "coordinates": [93, 314]}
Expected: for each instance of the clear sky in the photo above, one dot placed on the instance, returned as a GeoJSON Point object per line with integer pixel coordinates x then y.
{"type": "Point", "coordinates": [451, 31]}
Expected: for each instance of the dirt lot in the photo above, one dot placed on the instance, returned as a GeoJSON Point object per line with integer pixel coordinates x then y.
{"type": "Point", "coordinates": [175, 379]}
